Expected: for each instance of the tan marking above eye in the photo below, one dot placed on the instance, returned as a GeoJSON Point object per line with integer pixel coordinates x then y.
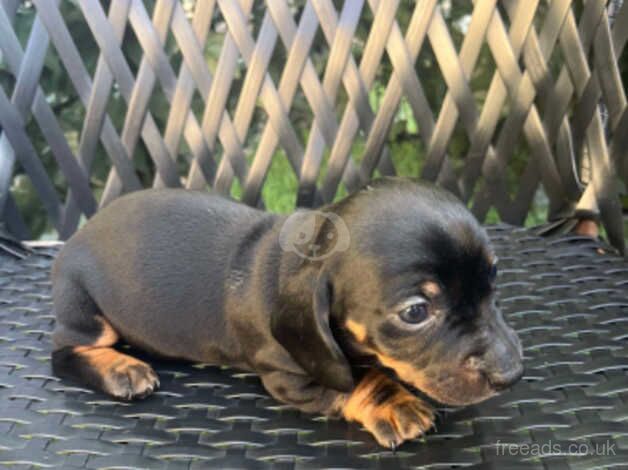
{"type": "Point", "coordinates": [431, 288]}
{"type": "Point", "coordinates": [357, 329]}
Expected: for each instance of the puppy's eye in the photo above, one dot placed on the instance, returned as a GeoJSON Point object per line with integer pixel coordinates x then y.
{"type": "Point", "coordinates": [415, 312]}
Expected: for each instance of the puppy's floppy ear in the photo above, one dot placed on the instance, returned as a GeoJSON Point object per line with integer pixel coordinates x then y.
{"type": "Point", "coordinates": [305, 332]}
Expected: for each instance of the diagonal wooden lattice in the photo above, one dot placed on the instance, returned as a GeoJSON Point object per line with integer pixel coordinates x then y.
{"type": "Point", "coordinates": [555, 65]}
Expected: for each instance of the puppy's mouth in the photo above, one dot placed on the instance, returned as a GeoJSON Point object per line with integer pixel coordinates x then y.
{"type": "Point", "coordinates": [449, 399]}
{"type": "Point", "coordinates": [448, 386]}
{"type": "Point", "coordinates": [442, 396]}
{"type": "Point", "coordinates": [452, 389]}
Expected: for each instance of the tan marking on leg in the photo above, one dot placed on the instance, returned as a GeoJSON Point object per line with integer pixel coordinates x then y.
{"type": "Point", "coordinates": [105, 359]}
{"type": "Point", "coordinates": [355, 405]}
{"type": "Point", "coordinates": [123, 376]}
{"type": "Point", "coordinates": [108, 336]}
{"type": "Point", "coordinates": [387, 410]}
{"type": "Point", "coordinates": [357, 329]}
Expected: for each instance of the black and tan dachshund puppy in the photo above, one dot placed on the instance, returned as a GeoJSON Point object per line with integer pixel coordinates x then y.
{"type": "Point", "coordinates": [399, 273]}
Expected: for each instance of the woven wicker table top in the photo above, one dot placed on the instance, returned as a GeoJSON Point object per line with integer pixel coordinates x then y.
{"type": "Point", "coordinates": [568, 302]}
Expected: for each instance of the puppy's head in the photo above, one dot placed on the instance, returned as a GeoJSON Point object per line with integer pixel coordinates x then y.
{"type": "Point", "coordinates": [416, 291]}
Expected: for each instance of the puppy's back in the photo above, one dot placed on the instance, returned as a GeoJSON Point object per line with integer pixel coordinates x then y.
{"type": "Point", "coordinates": [159, 257]}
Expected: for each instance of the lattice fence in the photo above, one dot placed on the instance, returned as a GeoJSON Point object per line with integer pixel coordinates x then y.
{"type": "Point", "coordinates": [318, 84]}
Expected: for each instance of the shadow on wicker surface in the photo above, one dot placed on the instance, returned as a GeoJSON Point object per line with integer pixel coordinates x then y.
{"type": "Point", "coordinates": [568, 302]}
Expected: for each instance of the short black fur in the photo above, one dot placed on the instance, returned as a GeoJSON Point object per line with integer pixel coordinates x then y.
{"type": "Point", "coordinates": [196, 276]}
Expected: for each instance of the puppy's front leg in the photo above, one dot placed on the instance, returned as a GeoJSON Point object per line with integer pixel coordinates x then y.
{"type": "Point", "coordinates": [387, 410]}
{"type": "Point", "coordinates": [384, 407]}
{"type": "Point", "coordinates": [301, 392]}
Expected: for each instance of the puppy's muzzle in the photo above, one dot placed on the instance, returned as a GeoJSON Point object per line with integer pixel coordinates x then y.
{"type": "Point", "coordinates": [502, 363]}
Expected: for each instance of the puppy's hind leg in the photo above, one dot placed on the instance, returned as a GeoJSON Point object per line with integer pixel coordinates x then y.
{"type": "Point", "coordinates": [83, 340]}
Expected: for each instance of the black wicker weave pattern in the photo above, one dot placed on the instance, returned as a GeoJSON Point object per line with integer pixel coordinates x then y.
{"type": "Point", "coordinates": [568, 302]}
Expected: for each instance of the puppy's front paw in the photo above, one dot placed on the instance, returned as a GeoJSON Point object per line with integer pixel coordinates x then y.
{"type": "Point", "coordinates": [120, 375]}
{"type": "Point", "coordinates": [131, 380]}
{"type": "Point", "coordinates": [387, 410]}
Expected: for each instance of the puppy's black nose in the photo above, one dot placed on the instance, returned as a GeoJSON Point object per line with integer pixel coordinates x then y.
{"type": "Point", "coordinates": [502, 381]}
